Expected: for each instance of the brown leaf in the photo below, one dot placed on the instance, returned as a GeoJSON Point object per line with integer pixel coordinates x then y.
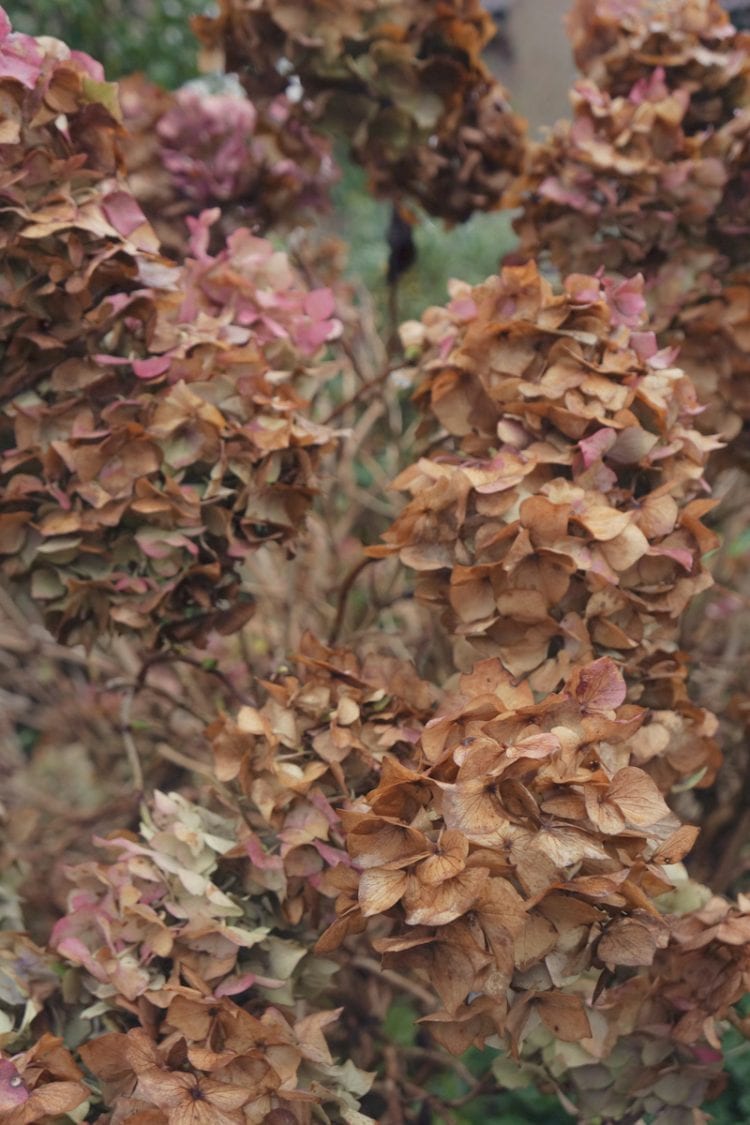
{"type": "Point", "coordinates": [380, 889]}
{"type": "Point", "coordinates": [438, 905]}
{"type": "Point", "coordinates": [600, 686]}
{"type": "Point", "coordinates": [564, 1015]}
{"type": "Point", "coordinates": [637, 797]}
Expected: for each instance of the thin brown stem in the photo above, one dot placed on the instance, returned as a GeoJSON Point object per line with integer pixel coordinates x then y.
{"type": "Point", "coordinates": [370, 965]}
{"type": "Point", "coordinates": [363, 391]}
{"type": "Point", "coordinates": [127, 737]}
{"type": "Point", "coordinates": [343, 598]}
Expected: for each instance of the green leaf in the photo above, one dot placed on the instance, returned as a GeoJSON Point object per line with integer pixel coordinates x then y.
{"type": "Point", "coordinates": [103, 93]}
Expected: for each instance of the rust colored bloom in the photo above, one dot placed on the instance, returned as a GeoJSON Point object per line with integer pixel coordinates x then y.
{"type": "Point", "coordinates": [153, 428]}
{"type": "Point", "coordinates": [651, 176]}
{"type": "Point", "coordinates": [560, 518]}
{"type": "Point", "coordinates": [403, 81]}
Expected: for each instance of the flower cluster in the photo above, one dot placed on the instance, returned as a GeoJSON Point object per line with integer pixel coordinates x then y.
{"type": "Point", "coordinates": [156, 898]}
{"type": "Point", "coordinates": [319, 740]}
{"type": "Point", "coordinates": [651, 175]}
{"type": "Point", "coordinates": [41, 1084]}
{"type": "Point", "coordinates": [404, 81]}
{"type": "Point", "coordinates": [263, 166]}
{"type": "Point", "coordinates": [152, 430]}
{"type": "Point", "coordinates": [655, 1045]}
{"type": "Point", "coordinates": [520, 849]}
{"type": "Point", "coordinates": [217, 1063]}
{"type": "Point", "coordinates": [560, 519]}
{"type": "Point", "coordinates": [614, 40]}
{"type": "Point", "coordinates": [205, 918]}
{"type": "Point", "coordinates": [173, 930]}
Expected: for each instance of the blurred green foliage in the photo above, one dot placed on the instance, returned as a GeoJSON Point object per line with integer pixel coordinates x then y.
{"type": "Point", "coordinates": [152, 36]}
{"type": "Point", "coordinates": [734, 1104]}
{"type": "Point", "coordinates": [471, 251]}
{"type": "Point", "coordinates": [527, 1106]}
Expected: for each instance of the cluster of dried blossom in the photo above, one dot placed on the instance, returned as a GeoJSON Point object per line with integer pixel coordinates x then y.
{"type": "Point", "coordinates": [651, 176]}
{"type": "Point", "coordinates": [152, 422]}
{"type": "Point", "coordinates": [163, 942]}
{"type": "Point", "coordinates": [505, 841]}
{"type": "Point", "coordinates": [558, 518]}
{"type": "Point", "coordinates": [404, 81]}
{"type": "Point", "coordinates": [152, 438]}
{"type": "Point", "coordinates": [520, 852]}
{"type": "Point", "coordinates": [191, 150]}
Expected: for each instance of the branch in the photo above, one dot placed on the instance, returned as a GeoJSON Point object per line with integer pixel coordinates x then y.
{"type": "Point", "coordinates": [343, 597]}
{"type": "Point", "coordinates": [127, 736]}
{"type": "Point", "coordinates": [370, 965]}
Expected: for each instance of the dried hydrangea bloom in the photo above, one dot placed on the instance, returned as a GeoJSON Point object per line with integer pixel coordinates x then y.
{"type": "Point", "coordinates": [318, 741]}
{"type": "Point", "coordinates": [152, 421]}
{"type": "Point", "coordinates": [170, 903]}
{"type": "Point", "coordinates": [615, 40]}
{"type": "Point", "coordinates": [216, 1063]}
{"type": "Point", "coordinates": [651, 175]}
{"type": "Point", "coordinates": [263, 166]}
{"type": "Point", "coordinates": [655, 1045]}
{"type": "Point", "coordinates": [403, 80]}
{"type": "Point", "coordinates": [520, 847]}
{"type": "Point", "coordinates": [41, 1084]}
{"type": "Point", "coordinates": [183, 928]}
{"type": "Point", "coordinates": [560, 518]}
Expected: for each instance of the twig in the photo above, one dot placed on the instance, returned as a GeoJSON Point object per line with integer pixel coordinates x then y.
{"type": "Point", "coordinates": [442, 1059]}
{"type": "Point", "coordinates": [395, 1113]}
{"type": "Point", "coordinates": [343, 597]}
{"type": "Point", "coordinates": [127, 737]}
{"type": "Point", "coordinates": [484, 1085]}
{"type": "Point", "coordinates": [179, 658]}
{"type": "Point", "coordinates": [394, 341]}
{"type": "Point", "coordinates": [369, 965]}
{"type": "Point", "coordinates": [164, 750]}
{"type": "Point", "coordinates": [726, 871]}
{"type": "Point", "coordinates": [363, 390]}
{"type": "Point", "coordinates": [176, 702]}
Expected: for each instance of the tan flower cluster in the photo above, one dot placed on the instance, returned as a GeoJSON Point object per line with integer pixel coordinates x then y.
{"type": "Point", "coordinates": [561, 518]}
{"type": "Point", "coordinates": [42, 1084]}
{"type": "Point", "coordinates": [151, 412]}
{"type": "Point", "coordinates": [655, 1045]}
{"type": "Point", "coordinates": [319, 740]}
{"type": "Point", "coordinates": [613, 40]}
{"type": "Point", "coordinates": [403, 80]}
{"type": "Point", "coordinates": [520, 848]}
{"type": "Point", "coordinates": [651, 176]}
{"type": "Point", "coordinates": [216, 1064]}
{"type": "Point", "coordinates": [174, 930]}
{"type": "Point", "coordinates": [204, 919]}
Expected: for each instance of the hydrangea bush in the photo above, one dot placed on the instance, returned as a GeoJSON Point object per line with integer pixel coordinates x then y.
{"type": "Point", "coordinates": [477, 806]}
